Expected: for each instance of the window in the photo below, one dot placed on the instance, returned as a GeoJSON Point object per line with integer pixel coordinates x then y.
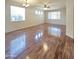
{"type": "Point", "coordinates": [37, 12]}
{"type": "Point", "coordinates": [17, 13]}
{"type": "Point", "coordinates": [54, 15]}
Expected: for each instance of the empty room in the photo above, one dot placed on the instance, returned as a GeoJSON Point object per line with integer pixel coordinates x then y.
{"type": "Point", "coordinates": [39, 29]}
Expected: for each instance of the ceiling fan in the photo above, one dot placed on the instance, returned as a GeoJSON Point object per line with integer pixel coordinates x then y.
{"type": "Point", "coordinates": [46, 7]}
{"type": "Point", "coordinates": [25, 4]}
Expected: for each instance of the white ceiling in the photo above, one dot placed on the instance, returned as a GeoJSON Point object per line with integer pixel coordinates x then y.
{"type": "Point", "coordinates": [40, 3]}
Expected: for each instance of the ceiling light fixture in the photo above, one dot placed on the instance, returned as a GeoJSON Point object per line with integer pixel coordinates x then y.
{"type": "Point", "coordinates": [25, 4]}
{"type": "Point", "coordinates": [46, 7]}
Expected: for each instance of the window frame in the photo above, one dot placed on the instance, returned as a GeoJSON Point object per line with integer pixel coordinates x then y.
{"type": "Point", "coordinates": [50, 15]}
{"type": "Point", "coordinates": [39, 12]}
{"type": "Point", "coordinates": [23, 16]}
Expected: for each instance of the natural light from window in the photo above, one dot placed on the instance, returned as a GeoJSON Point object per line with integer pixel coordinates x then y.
{"type": "Point", "coordinates": [54, 15]}
{"type": "Point", "coordinates": [17, 13]}
{"type": "Point", "coordinates": [37, 12]}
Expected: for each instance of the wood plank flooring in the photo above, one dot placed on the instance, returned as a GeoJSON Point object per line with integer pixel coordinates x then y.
{"type": "Point", "coordinates": [46, 41]}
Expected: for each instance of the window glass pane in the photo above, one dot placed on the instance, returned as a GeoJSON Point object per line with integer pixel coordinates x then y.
{"type": "Point", "coordinates": [36, 12]}
{"type": "Point", "coordinates": [41, 12]}
{"type": "Point", "coordinates": [49, 15]}
{"type": "Point", "coordinates": [54, 15]}
{"type": "Point", "coordinates": [17, 13]}
{"type": "Point", "coordinates": [59, 16]}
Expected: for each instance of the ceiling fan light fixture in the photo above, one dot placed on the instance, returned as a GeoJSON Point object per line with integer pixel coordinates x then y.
{"type": "Point", "coordinates": [26, 5]}
{"type": "Point", "coordinates": [23, 4]}
{"type": "Point", "coordinates": [45, 8]}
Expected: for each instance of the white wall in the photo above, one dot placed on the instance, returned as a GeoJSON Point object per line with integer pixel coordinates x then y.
{"type": "Point", "coordinates": [62, 21]}
{"type": "Point", "coordinates": [31, 18]}
{"type": "Point", "coordinates": [70, 18]}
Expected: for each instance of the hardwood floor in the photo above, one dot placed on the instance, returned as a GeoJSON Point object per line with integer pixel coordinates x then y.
{"type": "Point", "coordinates": [46, 41]}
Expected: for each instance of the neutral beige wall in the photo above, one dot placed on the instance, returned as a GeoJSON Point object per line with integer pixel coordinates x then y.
{"type": "Point", "coordinates": [70, 18]}
{"type": "Point", "coordinates": [62, 21]}
{"type": "Point", "coordinates": [31, 18]}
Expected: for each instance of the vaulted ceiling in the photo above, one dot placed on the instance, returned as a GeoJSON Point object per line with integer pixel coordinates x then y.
{"type": "Point", "coordinates": [40, 3]}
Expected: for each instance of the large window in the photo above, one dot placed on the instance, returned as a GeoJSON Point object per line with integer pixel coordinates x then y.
{"type": "Point", "coordinates": [54, 15]}
{"type": "Point", "coordinates": [17, 13]}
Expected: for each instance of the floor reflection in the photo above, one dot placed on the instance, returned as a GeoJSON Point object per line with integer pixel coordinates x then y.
{"type": "Point", "coordinates": [27, 57]}
{"type": "Point", "coordinates": [54, 31]}
{"type": "Point", "coordinates": [38, 42]}
{"type": "Point", "coordinates": [45, 47]}
{"type": "Point", "coordinates": [17, 45]}
{"type": "Point", "coordinates": [38, 36]}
